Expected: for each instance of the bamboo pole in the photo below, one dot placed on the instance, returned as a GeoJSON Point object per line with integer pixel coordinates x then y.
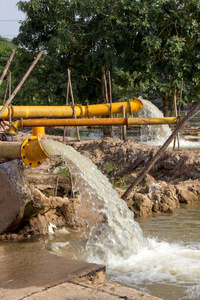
{"type": "Point", "coordinates": [72, 96]}
{"type": "Point", "coordinates": [106, 89]}
{"type": "Point", "coordinates": [179, 109]}
{"type": "Point", "coordinates": [6, 90]}
{"type": "Point", "coordinates": [180, 99]}
{"type": "Point", "coordinates": [66, 103]}
{"type": "Point", "coordinates": [21, 83]}
{"type": "Point", "coordinates": [111, 110]}
{"type": "Point", "coordinates": [124, 126]}
{"type": "Point", "coordinates": [175, 108]}
{"type": "Point", "coordinates": [160, 151]}
{"type": "Point", "coordinates": [6, 67]}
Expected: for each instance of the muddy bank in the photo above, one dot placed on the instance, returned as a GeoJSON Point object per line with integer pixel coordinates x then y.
{"type": "Point", "coordinates": [49, 201]}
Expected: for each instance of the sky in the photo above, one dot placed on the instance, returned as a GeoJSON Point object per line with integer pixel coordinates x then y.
{"type": "Point", "coordinates": [9, 18]}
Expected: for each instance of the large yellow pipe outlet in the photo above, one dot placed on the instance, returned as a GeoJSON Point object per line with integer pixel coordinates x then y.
{"type": "Point", "coordinates": [30, 151]}
{"type": "Point", "coordinates": [31, 112]}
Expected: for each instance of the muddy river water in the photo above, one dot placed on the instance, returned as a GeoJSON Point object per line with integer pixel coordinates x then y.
{"type": "Point", "coordinates": [170, 270]}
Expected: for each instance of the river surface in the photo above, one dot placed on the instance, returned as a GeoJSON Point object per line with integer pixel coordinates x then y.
{"type": "Point", "coordinates": [170, 270]}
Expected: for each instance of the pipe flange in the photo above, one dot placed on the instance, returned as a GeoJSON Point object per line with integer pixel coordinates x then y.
{"type": "Point", "coordinates": [32, 152]}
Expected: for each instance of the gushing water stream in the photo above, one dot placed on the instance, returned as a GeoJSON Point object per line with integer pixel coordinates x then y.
{"type": "Point", "coordinates": [116, 240]}
{"type": "Point", "coordinates": [158, 134]}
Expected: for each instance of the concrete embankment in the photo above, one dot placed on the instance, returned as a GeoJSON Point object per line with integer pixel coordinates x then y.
{"type": "Point", "coordinates": [29, 271]}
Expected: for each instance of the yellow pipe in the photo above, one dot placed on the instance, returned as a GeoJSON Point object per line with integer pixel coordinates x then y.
{"type": "Point", "coordinates": [30, 151]}
{"type": "Point", "coordinates": [10, 150]}
{"type": "Point", "coordinates": [25, 112]}
{"type": "Point", "coordinates": [153, 121]}
{"type": "Point", "coordinates": [97, 122]}
{"type": "Point", "coordinates": [38, 130]}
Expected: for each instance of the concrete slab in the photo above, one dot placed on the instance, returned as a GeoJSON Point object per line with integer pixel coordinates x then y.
{"type": "Point", "coordinates": [27, 268]}
{"type": "Point", "coordinates": [29, 271]}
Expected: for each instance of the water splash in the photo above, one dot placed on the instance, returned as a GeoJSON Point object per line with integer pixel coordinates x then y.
{"type": "Point", "coordinates": [158, 134]}
{"type": "Point", "coordinates": [116, 240]}
{"type": "Point", "coordinates": [152, 134]}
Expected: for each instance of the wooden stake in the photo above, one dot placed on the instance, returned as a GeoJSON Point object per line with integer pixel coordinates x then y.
{"type": "Point", "coordinates": [106, 90]}
{"type": "Point", "coordinates": [6, 67]}
{"type": "Point", "coordinates": [111, 110]}
{"type": "Point", "coordinates": [21, 83]}
{"type": "Point", "coordinates": [72, 96]}
{"type": "Point", "coordinates": [66, 103]}
{"type": "Point", "coordinates": [175, 108]}
{"type": "Point", "coordinates": [124, 126]}
{"type": "Point", "coordinates": [160, 151]}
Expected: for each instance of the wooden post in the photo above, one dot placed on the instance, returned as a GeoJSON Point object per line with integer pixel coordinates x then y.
{"type": "Point", "coordinates": [6, 90]}
{"type": "Point", "coordinates": [6, 67]}
{"type": "Point", "coordinates": [180, 99]}
{"type": "Point", "coordinates": [21, 83]}
{"type": "Point", "coordinates": [10, 115]}
{"type": "Point", "coordinates": [175, 108]}
{"type": "Point", "coordinates": [160, 151]}
{"type": "Point", "coordinates": [72, 96]}
{"type": "Point", "coordinates": [111, 110]}
{"type": "Point", "coordinates": [124, 126]}
{"type": "Point", "coordinates": [66, 103]}
{"type": "Point", "coordinates": [106, 89]}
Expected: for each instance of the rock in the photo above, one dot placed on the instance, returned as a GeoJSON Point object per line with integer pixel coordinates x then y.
{"type": "Point", "coordinates": [142, 205]}
{"type": "Point", "coordinates": [185, 195]}
{"type": "Point", "coordinates": [166, 204]}
{"type": "Point", "coordinates": [14, 195]}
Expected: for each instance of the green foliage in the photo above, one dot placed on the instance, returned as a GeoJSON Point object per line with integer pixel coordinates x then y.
{"type": "Point", "coordinates": [110, 167]}
{"type": "Point", "coordinates": [147, 45]}
{"type": "Point", "coordinates": [64, 172]}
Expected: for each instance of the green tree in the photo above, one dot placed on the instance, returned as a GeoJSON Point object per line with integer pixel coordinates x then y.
{"type": "Point", "coordinates": [166, 48]}
{"type": "Point", "coordinates": [152, 43]}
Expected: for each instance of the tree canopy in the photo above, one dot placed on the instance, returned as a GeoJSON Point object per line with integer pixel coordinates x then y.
{"type": "Point", "coordinates": [147, 45]}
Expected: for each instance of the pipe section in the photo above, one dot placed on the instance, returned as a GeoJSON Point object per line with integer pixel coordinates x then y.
{"type": "Point", "coordinates": [31, 112]}
{"type": "Point", "coordinates": [97, 122]}
{"type": "Point", "coordinates": [10, 150]}
{"type": "Point", "coordinates": [30, 151]}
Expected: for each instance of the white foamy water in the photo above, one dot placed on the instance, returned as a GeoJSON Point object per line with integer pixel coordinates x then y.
{"type": "Point", "coordinates": [116, 240]}
{"type": "Point", "coordinates": [158, 134]}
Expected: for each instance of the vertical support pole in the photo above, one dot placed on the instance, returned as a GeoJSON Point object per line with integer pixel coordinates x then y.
{"type": "Point", "coordinates": [106, 89]}
{"type": "Point", "coordinates": [9, 81]}
{"type": "Point", "coordinates": [72, 96]}
{"type": "Point", "coordinates": [111, 110]}
{"type": "Point", "coordinates": [175, 108]}
{"type": "Point", "coordinates": [124, 126]}
{"type": "Point", "coordinates": [66, 103]}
